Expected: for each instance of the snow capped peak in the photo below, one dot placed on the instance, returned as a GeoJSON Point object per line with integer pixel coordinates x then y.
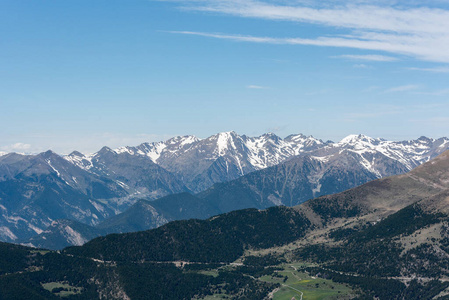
{"type": "Point", "coordinates": [355, 138]}
{"type": "Point", "coordinates": [183, 140]}
{"type": "Point", "coordinates": [301, 143]}
{"type": "Point", "coordinates": [225, 135]}
{"type": "Point", "coordinates": [156, 149]}
{"type": "Point", "coordinates": [270, 135]}
{"type": "Point", "coordinates": [76, 154]}
{"type": "Point", "coordinates": [79, 159]}
{"type": "Point", "coordinates": [296, 137]}
{"type": "Point", "coordinates": [189, 139]}
{"type": "Point", "coordinates": [3, 153]}
{"type": "Point", "coordinates": [425, 139]}
{"type": "Point", "coordinates": [301, 138]}
{"type": "Point", "coordinates": [224, 142]}
{"type": "Point", "coordinates": [106, 149]}
{"type": "Point", "coordinates": [124, 150]}
{"type": "Point", "coordinates": [48, 154]}
{"type": "Point", "coordinates": [349, 139]}
{"type": "Point", "coordinates": [360, 141]}
{"type": "Point", "coordinates": [246, 154]}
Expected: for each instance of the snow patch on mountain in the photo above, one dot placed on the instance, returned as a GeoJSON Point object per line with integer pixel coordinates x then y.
{"type": "Point", "coordinates": [190, 139]}
{"type": "Point", "coordinates": [80, 160]}
{"type": "Point", "coordinates": [153, 150]}
{"type": "Point", "coordinates": [51, 166]}
{"type": "Point", "coordinates": [128, 150]}
{"type": "Point", "coordinates": [6, 233]}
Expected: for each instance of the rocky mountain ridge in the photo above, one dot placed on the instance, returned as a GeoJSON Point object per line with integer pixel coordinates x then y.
{"type": "Point", "coordinates": [199, 163]}
{"type": "Point", "coordinates": [36, 190]}
{"type": "Point", "coordinates": [290, 183]}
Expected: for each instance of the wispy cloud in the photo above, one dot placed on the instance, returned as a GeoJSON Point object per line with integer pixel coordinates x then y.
{"type": "Point", "coordinates": [417, 31]}
{"type": "Point", "coordinates": [402, 88]}
{"type": "Point", "coordinates": [362, 66]}
{"type": "Point", "coordinates": [16, 147]}
{"type": "Point", "coordinates": [358, 16]}
{"type": "Point", "coordinates": [433, 70]}
{"type": "Point", "coordinates": [382, 58]}
{"type": "Point", "coordinates": [257, 87]}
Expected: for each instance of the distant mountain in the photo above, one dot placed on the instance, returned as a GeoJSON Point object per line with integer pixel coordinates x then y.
{"type": "Point", "coordinates": [199, 163]}
{"type": "Point", "coordinates": [227, 171]}
{"type": "Point", "coordinates": [35, 190]}
{"type": "Point", "coordinates": [142, 215]}
{"type": "Point", "coordinates": [136, 173]}
{"type": "Point", "coordinates": [290, 183]}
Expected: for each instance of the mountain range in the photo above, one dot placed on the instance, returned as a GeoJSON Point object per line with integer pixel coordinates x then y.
{"type": "Point", "coordinates": [386, 239]}
{"type": "Point", "coordinates": [199, 163]}
{"type": "Point", "coordinates": [42, 194]}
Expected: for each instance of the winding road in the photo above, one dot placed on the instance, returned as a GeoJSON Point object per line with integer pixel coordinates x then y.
{"type": "Point", "coordinates": [296, 290]}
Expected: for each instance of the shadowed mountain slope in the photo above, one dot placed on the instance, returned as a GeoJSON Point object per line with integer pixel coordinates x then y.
{"type": "Point", "coordinates": [35, 190]}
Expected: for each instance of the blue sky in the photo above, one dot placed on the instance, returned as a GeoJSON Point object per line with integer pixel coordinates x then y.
{"type": "Point", "coordinates": [78, 74]}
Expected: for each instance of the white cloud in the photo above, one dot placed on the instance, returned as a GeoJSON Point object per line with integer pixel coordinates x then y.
{"type": "Point", "coordinates": [362, 66]}
{"type": "Point", "coordinates": [382, 58]}
{"type": "Point", "coordinates": [425, 48]}
{"type": "Point", "coordinates": [434, 70]}
{"type": "Point", "coordinates": [402, 88]}
{"type": "Point", "coordinates": [352, 16]}
{"type": "Point", "coordinates": [419, 32]}
{"type": "Point", "coordinates": [256, 87]}
{"type": "Point", "coordinates": [17, 147]}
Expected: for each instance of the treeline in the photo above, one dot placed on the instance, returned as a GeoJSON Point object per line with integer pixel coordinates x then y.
{"type": "Point", "coordinates": [220, 239]}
